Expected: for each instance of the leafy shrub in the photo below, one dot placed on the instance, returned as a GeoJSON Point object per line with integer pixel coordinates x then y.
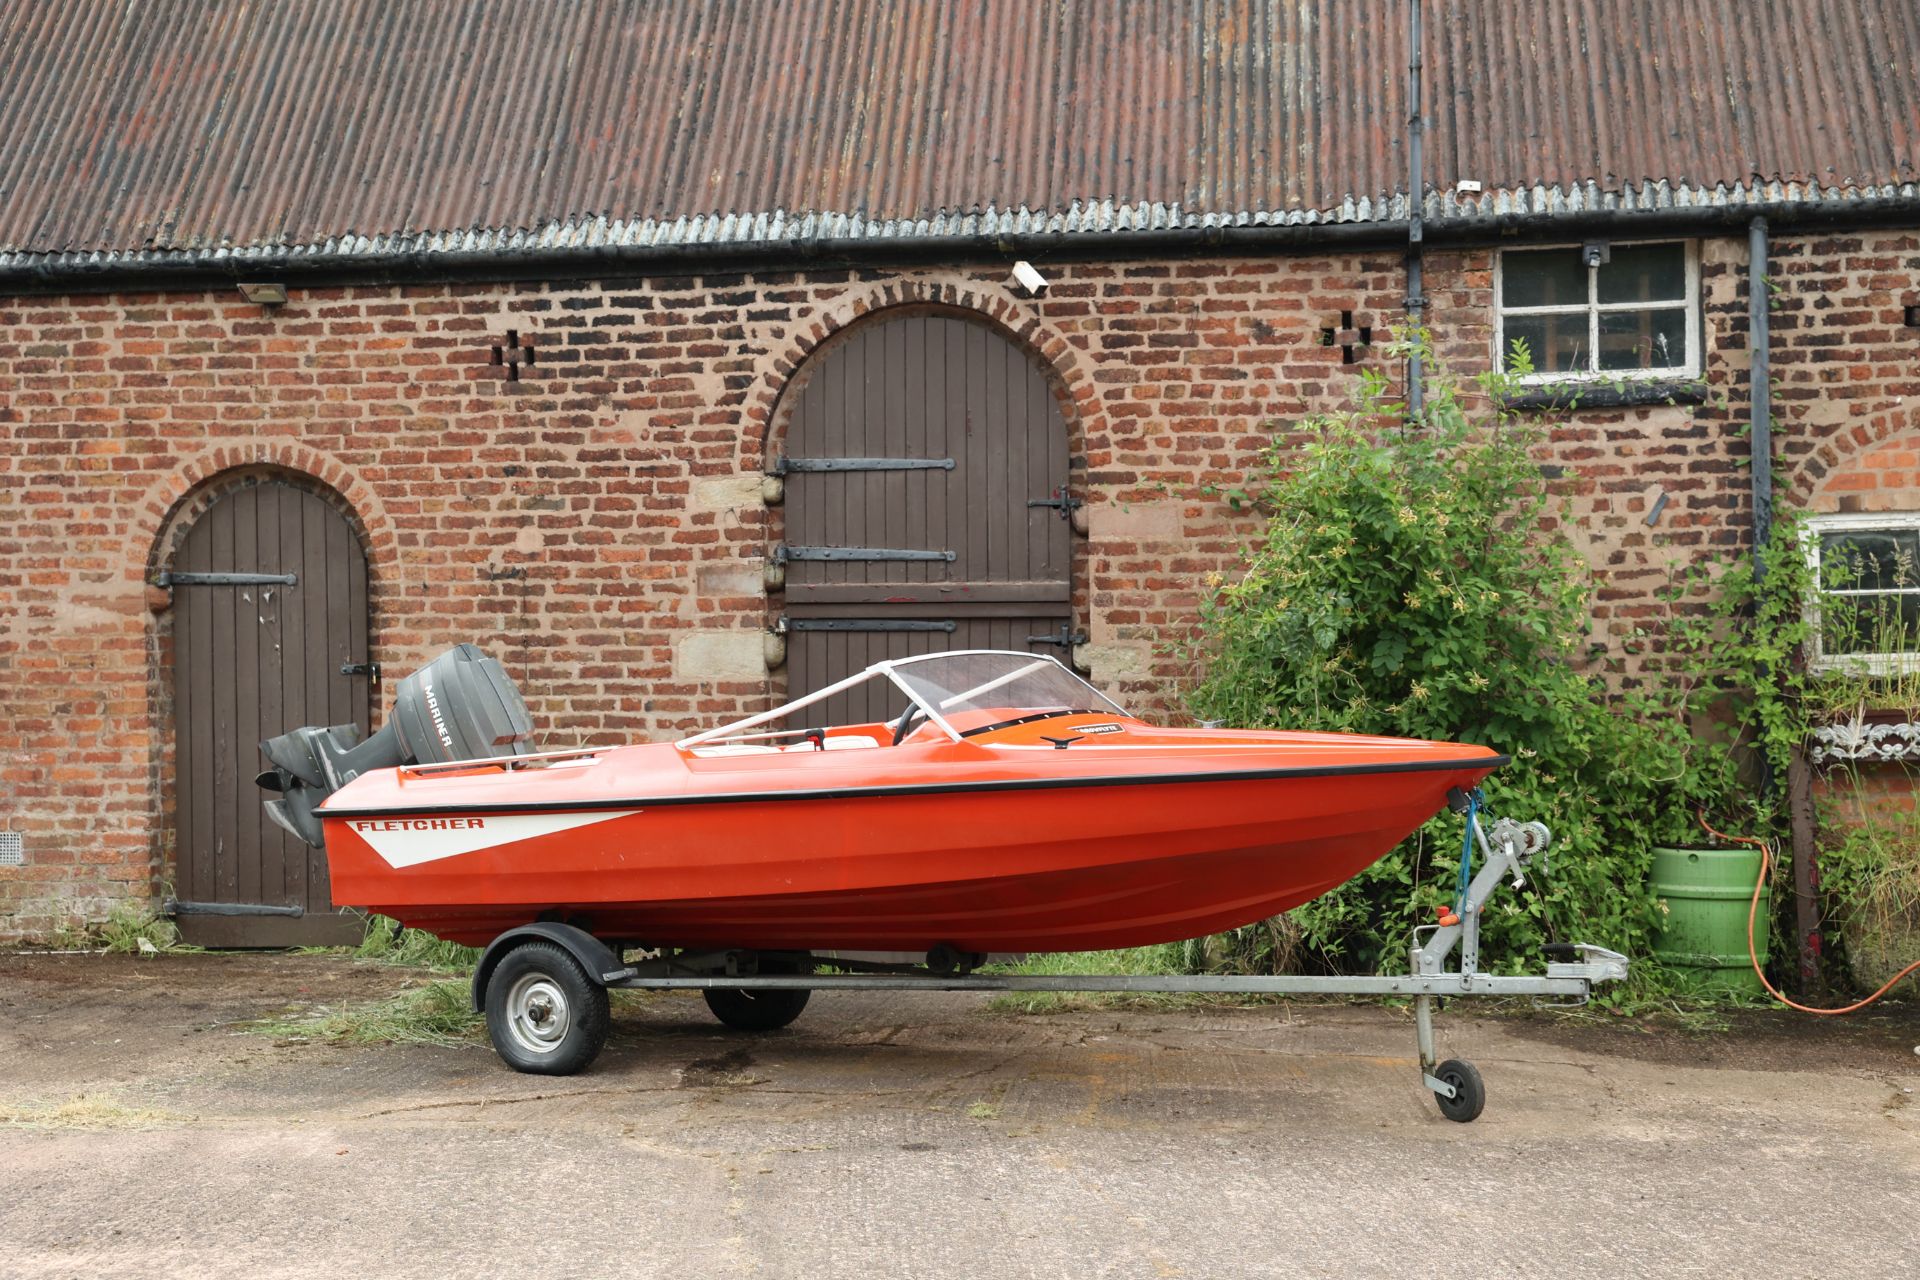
{"type": "Point", "coordinates": [1413, 581]}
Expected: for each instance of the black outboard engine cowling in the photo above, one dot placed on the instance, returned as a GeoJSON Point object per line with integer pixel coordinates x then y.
{"type": "Point", "coordinates": [460, 706]}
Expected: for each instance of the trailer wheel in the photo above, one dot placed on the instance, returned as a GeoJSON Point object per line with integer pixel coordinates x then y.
{"type": "Point", "coordinates": [748, 1010]}
{"type": "Point", "coordinates": [1469, 1091]}
{"type": "Point", "coordinates": [544, 1014]}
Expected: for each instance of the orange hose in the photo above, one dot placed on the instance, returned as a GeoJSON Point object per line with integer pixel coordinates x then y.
{"type": "Point", "coordinates": [1753, 955]}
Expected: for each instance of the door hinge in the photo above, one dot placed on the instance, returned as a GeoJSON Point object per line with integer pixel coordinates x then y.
{"type": "Point", "coordinates": [175, 907]}
{"type": "Point", "coordinates": [225, 579]}
{"type": "Point", "coordinates": [788, 466]}
{"type": "Point", "coordinates": [864, 624]}
{"type": "Point", "coordinates": [784, 553]}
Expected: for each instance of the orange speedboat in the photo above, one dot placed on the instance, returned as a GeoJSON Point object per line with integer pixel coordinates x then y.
{"type": "Point", "coordinates": [1009, 806]}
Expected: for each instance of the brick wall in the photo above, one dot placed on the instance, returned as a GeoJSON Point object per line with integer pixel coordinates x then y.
{"type": "Point", "coordinates": [598, 523]}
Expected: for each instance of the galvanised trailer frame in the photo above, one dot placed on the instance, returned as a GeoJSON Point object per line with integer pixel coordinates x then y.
{"type": "Point", "coordinates": [1508, 849]}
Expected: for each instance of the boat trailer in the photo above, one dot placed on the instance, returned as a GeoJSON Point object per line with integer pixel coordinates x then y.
{"type": "Point", "coordinates": [762, 991]}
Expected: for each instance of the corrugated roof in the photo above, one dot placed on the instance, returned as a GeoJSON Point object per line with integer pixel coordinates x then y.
{"type": "Point", "coordinates": [488, 125]}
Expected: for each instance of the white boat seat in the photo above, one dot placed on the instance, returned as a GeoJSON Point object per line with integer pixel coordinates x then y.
{"type": "Point", "coordinates": [852, 742]}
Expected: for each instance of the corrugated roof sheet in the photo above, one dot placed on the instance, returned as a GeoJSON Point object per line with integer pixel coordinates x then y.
{"type": "Point", "coordinates": [198, 125]}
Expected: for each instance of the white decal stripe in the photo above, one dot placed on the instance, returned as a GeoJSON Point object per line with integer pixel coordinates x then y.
{"type": "Point", "coordinates": [407, 842]}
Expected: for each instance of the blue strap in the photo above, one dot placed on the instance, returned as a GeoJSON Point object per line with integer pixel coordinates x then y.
{"type": "Point", "coordinates": [1466, 850]}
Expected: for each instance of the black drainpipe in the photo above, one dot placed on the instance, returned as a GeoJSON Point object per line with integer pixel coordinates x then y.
{"type": "Point", "coordinates": [1416, 206]}
{"type": "Point", "coordinates": [1760, 390]}
{"type": "Point", "coordinates": [1806, 867]}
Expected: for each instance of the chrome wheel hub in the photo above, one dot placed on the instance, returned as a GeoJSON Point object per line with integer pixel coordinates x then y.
{"type": "Point", "coordinates": [538, 1016]}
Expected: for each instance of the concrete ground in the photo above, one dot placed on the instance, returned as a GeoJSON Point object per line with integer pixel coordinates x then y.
{"type": "Point", "coordinates": [144, 1133]}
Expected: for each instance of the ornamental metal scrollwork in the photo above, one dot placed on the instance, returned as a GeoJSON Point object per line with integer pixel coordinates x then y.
{"type": "Point", "coordinates": [1858, 740]}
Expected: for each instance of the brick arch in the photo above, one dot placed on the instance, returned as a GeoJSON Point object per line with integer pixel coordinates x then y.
{"type": "Point", "coordinates": [1875, 461]}
{"type": "Point", "coordinates": [785, 371]}
{"type": "Point", "coordinates": [175, 501]}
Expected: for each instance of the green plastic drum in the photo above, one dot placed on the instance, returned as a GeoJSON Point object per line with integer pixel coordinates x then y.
{"type": "Point", "coordinates": [1703, 937]}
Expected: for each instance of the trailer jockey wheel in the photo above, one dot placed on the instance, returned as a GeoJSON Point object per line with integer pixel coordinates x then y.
{"type": "Point", "coordinates": [749, 1009]}
{"type": "Point", "coordinates": [1469, 1091]}
{"type": "Point", "coordinates": [545, 1015]}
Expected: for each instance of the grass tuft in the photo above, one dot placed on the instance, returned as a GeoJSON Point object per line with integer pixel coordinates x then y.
{"type": "Point", "coordinates": [387, 943]}
{"type": "Point", "coordinates": [131, 928]}
{"type": "Point", "coordinates": [438, 1012]}
{"type": "Point", "coordinates": [85, 1111]}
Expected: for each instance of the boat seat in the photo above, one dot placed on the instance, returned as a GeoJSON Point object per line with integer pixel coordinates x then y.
{"type": "Point", "coordinates": [851, 742]}
{"type": "Point", "coordinates": [736, 749]}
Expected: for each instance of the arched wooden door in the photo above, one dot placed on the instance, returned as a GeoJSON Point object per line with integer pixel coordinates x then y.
{"type": "Point", "coordinates": [926, 503]}
{"type": "Point", "coordinates": [269, 604]}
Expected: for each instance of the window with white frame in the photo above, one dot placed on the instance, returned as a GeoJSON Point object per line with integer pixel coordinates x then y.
{"type": "Point", "coordinates": [1634, 315]}
{"type": "Point", "coordinates": [1867, 583]}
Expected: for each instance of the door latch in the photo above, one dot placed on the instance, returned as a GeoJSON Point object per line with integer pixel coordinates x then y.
{"type": "Point", "coordinates": [371, 670]}
{"type": "Point", "coordinates": [1066, 637]}
{"type": "Point", "coordinates": [1062, 501]}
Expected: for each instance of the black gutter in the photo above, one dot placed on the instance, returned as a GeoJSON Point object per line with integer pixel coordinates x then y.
{"type": "Point", "coordinates": [1486, 763]}
{"type": "Point", "coordinates": [92, 272]}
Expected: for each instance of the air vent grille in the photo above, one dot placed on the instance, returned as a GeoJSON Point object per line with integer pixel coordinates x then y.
{"type": "Point", "coordinates": [13, 850]}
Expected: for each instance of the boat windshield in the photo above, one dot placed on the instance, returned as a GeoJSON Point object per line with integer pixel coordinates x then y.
{"type": "Point", "coordinates": [953, 684]}
{"type": "Point", "coordinates": [982, 689]}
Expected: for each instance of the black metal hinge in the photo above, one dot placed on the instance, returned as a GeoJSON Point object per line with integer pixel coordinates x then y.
{"type": "Point", "coordinates": [867, 624]}
{"type": "Point", "coordinates": [787, 466]}
{"type": "Point", "coordinates": [225, 579]}
{"type": "Point", "coordinates": [785, 553]}
{"type": "Point", "coordinates": [174, 907]}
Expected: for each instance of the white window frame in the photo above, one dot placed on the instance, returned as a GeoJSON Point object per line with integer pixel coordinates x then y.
{"type": "Point", "coordinates": [1690, 300]}
{"type": "Point", "coordinates": [1872, 664]}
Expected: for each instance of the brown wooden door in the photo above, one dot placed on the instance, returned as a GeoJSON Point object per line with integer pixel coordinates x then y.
{"type": "Point", "coordinates": [914, 455]}
{"type": "Point", "coordinates": [252, 659]}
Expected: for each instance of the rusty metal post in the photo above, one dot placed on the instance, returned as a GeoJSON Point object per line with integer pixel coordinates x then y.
{"type": "Point", "coordinates": [1806, 873]}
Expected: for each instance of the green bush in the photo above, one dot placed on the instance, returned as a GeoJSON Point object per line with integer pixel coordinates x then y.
{"type": "Point", "coordinates": [1412, 581]}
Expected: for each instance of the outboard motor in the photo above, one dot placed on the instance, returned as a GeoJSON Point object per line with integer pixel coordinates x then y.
{"type": "Point", "coordinates": [460, 706]}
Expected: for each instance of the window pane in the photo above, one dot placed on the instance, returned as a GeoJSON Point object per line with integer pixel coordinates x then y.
{"type": "Point", "coordinates": [1644, 273]}
{"type": "Point", "coordinates": [1643, 339]}
{"type": "Point", "coordinates": [1870, 624]}
{"type": "Point", "coordinates": [1543, 278]}
{"type": "Point", "coordinates": [1870, 559]}
{"type": "Point", "coordinates": [1557, 344]}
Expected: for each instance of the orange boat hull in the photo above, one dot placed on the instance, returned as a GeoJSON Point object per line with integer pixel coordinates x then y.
{"type": "Point", "coordinates": [1173, 834]}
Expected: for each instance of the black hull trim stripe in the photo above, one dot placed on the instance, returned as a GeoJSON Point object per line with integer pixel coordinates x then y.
{"type": "Point", "coordinates": [930, 789]}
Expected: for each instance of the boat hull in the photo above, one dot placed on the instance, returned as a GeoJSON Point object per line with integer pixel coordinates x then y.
{"type": "Point", "coordinates": [1008, 864]}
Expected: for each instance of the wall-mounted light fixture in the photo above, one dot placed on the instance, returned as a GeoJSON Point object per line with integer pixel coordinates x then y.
{"type": "Point", "coordinates": [264, 294]}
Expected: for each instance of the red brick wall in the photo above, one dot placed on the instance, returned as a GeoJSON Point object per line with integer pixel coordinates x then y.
{"type": "Point", "coordinates": [598, 525]}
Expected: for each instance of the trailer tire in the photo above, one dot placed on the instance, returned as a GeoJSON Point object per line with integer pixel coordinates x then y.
{"type": "Point", "coordinates": [545, 1014]}
{"type": "Point", "coordinates": [747, 1010]}
{"type": "Point", "coordinates": [1469, 1091]}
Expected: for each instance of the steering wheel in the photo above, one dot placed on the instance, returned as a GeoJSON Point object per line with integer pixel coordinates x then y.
{"type": "Point", "coordinates": [910, 719]}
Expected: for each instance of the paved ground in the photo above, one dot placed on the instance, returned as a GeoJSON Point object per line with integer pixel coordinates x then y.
{"type": "Point", "coordinates": [931, 1137]}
